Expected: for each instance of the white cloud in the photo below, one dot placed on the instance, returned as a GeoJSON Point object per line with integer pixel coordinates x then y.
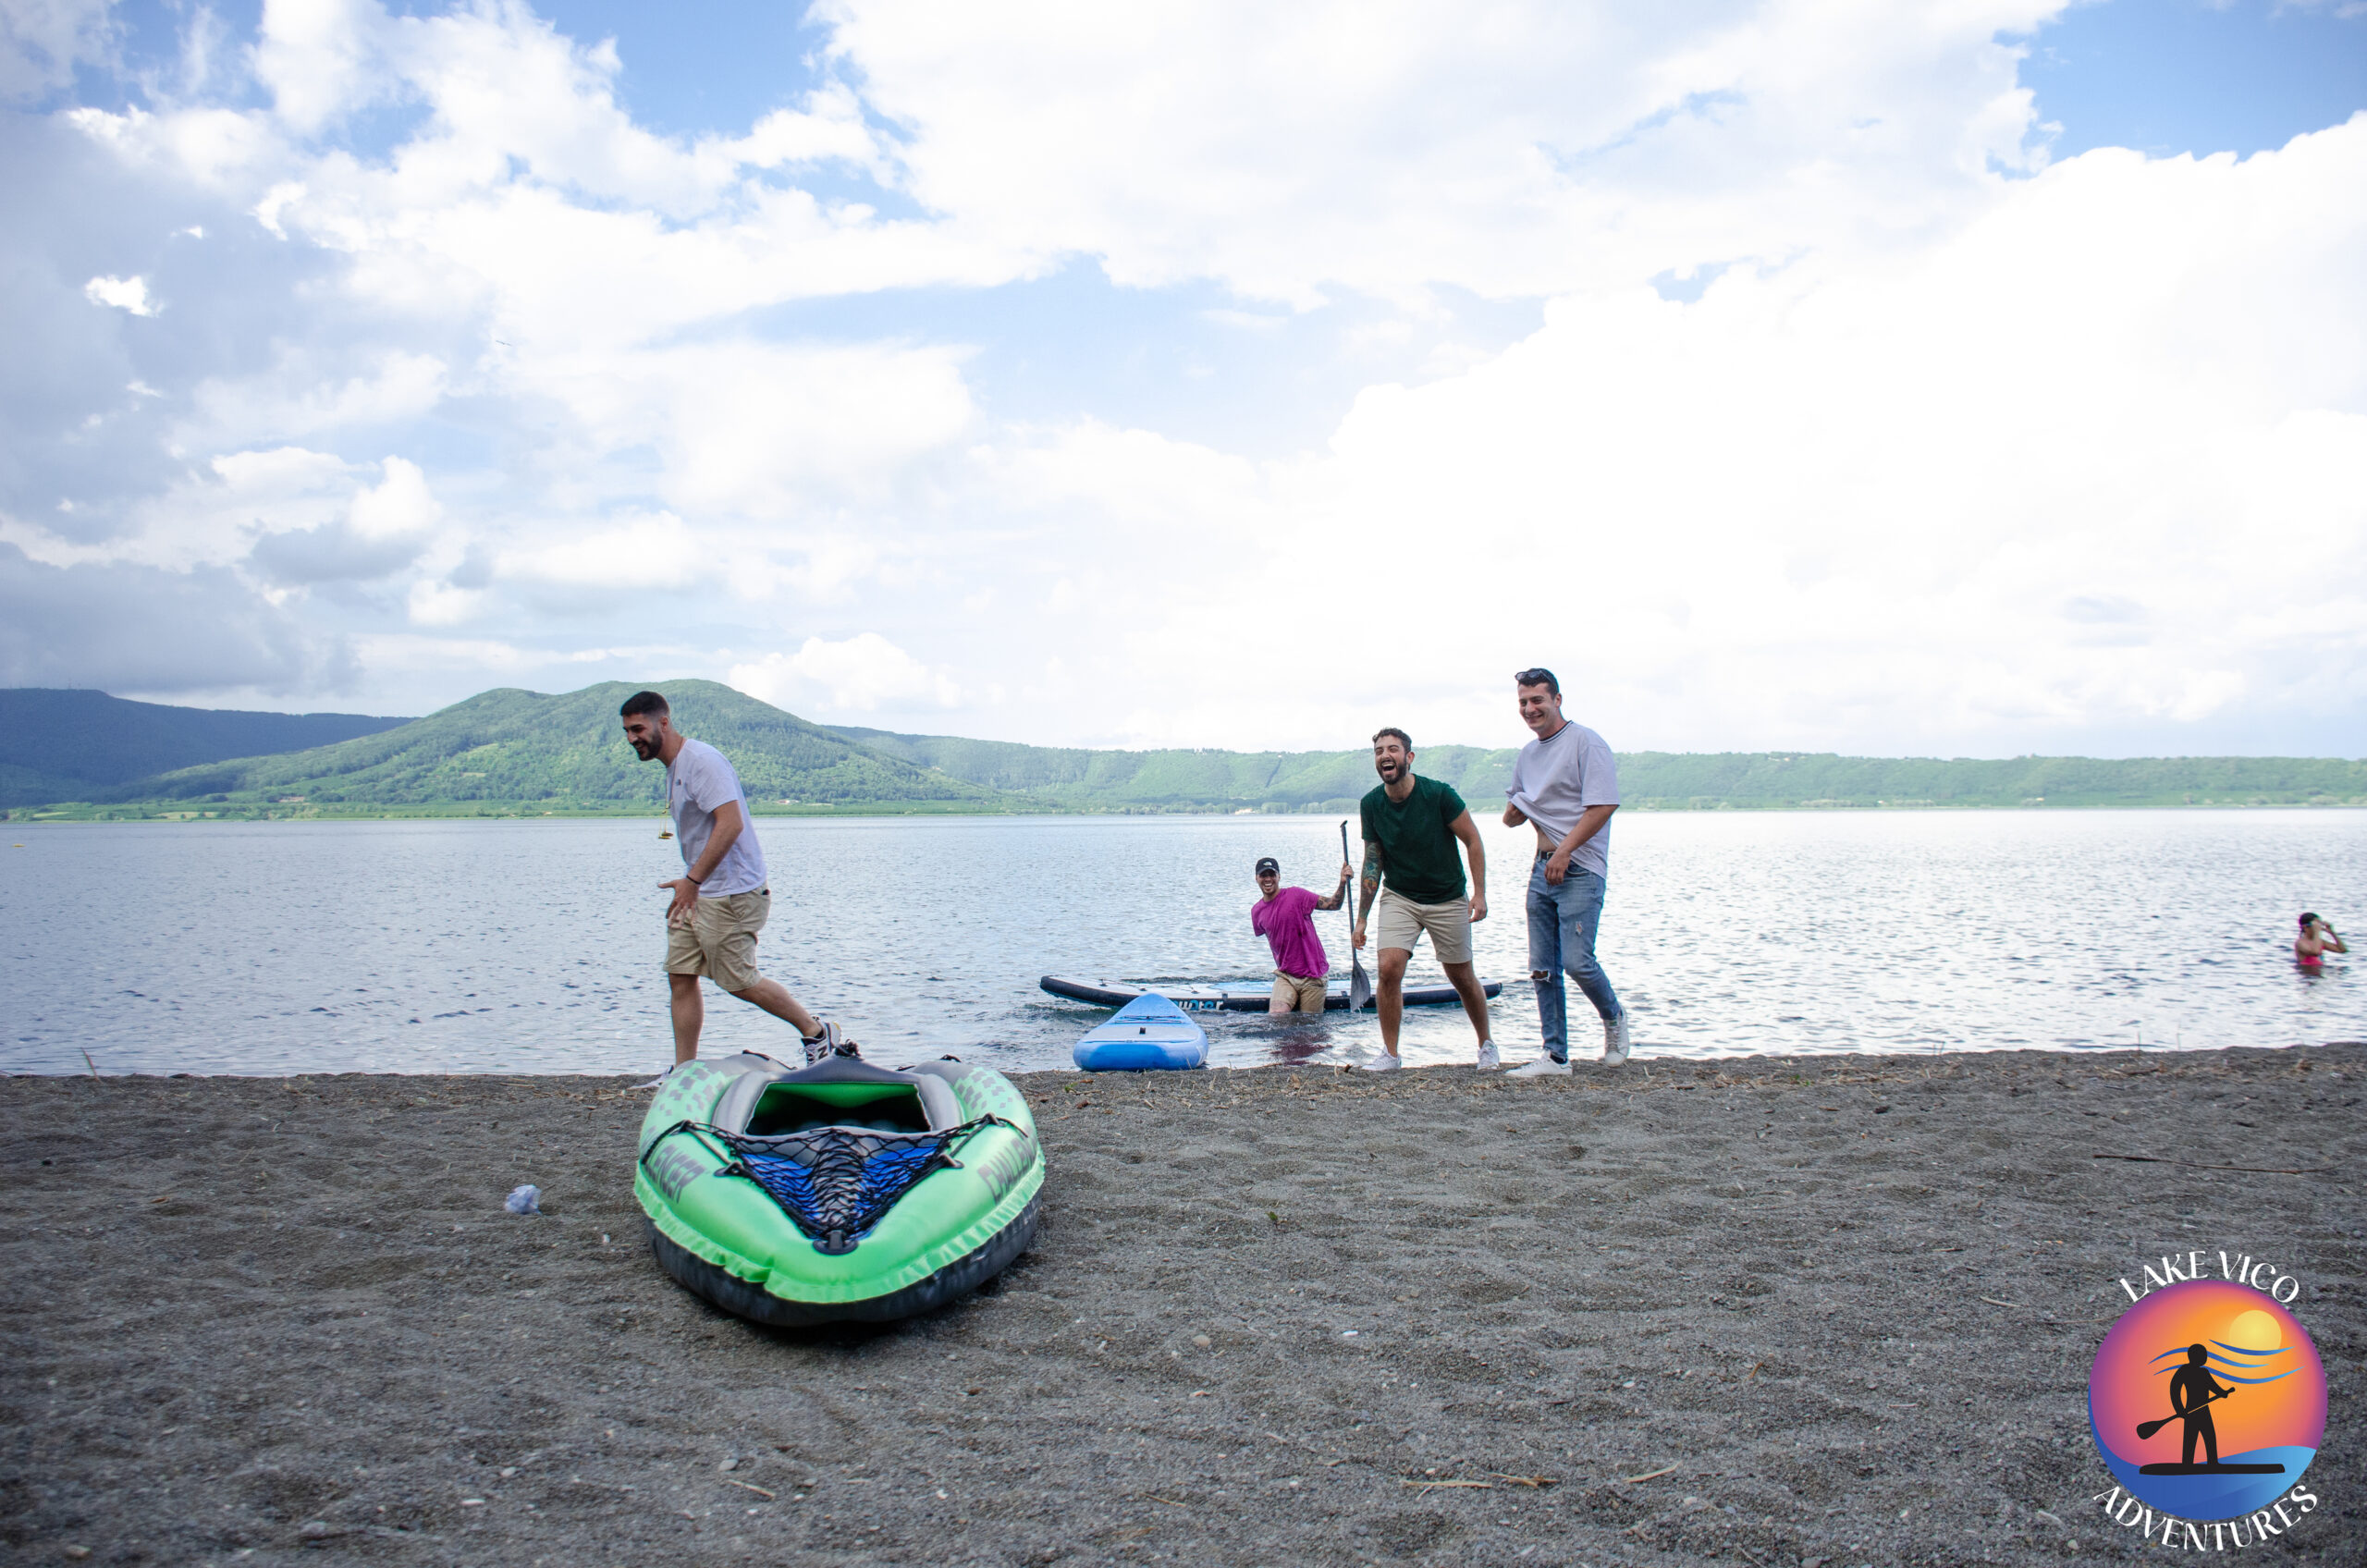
{"type": "Point", "coordinates": [756, 429]}
{"type": "Point", "coordinates": [119, 626]}
{"type": "Point", "coordinates": [296, 397]}
{"type": "Point", "coordinates": [635, 555]}
{"type": "Point", "coordinates": [218, 149]}
{"type": "Point", "coordinates": [409, 652]}
{"type": "Point", "coordinates": [313, 56]}
{"type": "Point", "coordinates": [256, 476]}
{"type": "Point", "coordinates": [1525, 149]}
{"type": "Point", "coordinates": [216, 516]}
{"type": "Point", "coordinates": [385, 529]}
{"type": "Point", "coordinates": [1929, 394]}
{"type": "Point", "coordinates": [861, 674]}
{"type": "Point", "coordinates": [530, 189]}
{"type": "Point", "coordinates": [830, 128]}
{"type": "Point", "coordinates": [1870, 489]}
{"type": "Point", "coordinates": [43, 41]}
{"type": "Point", "coordinates": [123, 293]}
{"type": "Point", "coordinates": [398, 506]}
{"type": "Point", "coordinates": [305, 516]}
{"type": "Point", "coordinates": [440, 604]}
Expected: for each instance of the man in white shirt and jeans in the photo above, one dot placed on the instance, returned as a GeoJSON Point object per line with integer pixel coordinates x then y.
{"type": "Point", "coordinates": [1566, 785]}
{"type": "Point", "coordinates": [720, 900]}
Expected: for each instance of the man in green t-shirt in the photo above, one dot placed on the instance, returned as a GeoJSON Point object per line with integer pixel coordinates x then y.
{"type": "Point", "coordinates": [1411, 826]}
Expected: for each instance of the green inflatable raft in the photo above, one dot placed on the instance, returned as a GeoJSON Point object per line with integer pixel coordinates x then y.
{"type": "Point", "coordinates": [838, 1192]}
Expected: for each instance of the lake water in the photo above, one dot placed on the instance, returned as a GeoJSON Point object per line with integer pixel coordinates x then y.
{"type": "Point", "coordinates": [535, 946]}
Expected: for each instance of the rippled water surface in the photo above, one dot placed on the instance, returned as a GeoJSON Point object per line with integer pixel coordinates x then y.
{"type": "Point", "coordinates": [534, 946]}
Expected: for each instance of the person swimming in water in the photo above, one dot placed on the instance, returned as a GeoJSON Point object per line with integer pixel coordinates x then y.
{"type": "Point", "coordinates": [2317, 940]}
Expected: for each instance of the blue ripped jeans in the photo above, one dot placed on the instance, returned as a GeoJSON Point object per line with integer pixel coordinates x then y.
{"type": "Point", "coordinates": [1560, 938]}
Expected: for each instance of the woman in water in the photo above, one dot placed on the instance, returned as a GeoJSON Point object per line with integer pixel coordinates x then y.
{"type": "Point", "coordinates": [2316, 939]}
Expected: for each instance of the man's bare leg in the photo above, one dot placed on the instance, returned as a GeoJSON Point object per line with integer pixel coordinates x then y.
{"type": "Point", "coordinates": [774, 998]}
{"type": "Point", "coordinates": [690, 1015]}
{"type": "Point", "coordinates": [1392, 994]}
{"type": "Point", "coordinates": [1464, 977]}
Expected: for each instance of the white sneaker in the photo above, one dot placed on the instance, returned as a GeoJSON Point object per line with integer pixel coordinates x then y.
{"type": "Point", "coordinates": [1543, 1067]}
{"type": "Point", "coordinates": [1489, 1059]}
{"type": "Point", "coordinates": [1615, 1044]}
{"type": "Point", "coordinates": [1383, 1062]}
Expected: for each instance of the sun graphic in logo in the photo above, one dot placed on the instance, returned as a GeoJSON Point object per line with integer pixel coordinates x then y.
{"type": "Point", "coordinates": [2207, 1399]}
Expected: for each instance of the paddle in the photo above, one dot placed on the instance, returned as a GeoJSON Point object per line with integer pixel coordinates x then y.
{"type": "Point", "coordinates": [2150, 1427]}
{"type": "Point", "coordinates": [1359, 987]}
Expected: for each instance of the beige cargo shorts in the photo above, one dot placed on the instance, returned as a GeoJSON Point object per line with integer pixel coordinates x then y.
{"type": "Point", "coordinates": [720, 941]}
{"type": "Point", "coordinates": [1401, 922]}
{"type": "Point", "coordinates": [1299, 993]}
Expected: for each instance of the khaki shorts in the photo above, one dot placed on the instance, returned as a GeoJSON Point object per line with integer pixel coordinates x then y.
{"type": "Point", "coordinates": [720, 941]}
{"type": "Point", "coordinates": [1300, 993]}
{"type": "Point", "coordinates": [1400, 922]}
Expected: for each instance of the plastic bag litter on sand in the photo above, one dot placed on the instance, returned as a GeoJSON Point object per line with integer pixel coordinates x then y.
{"type": "Point", "coordinates": [527, 1199]}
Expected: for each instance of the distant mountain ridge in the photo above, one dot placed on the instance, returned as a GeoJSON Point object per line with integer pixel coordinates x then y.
{"type": "Point", "coordinates": [514, 751]}
{"type": "Point", "coordinates": [511, 749]}
{"type": "Point", "coordinates": [1072, 779]}
{"type": "Point", "coordinates": [91, 742]}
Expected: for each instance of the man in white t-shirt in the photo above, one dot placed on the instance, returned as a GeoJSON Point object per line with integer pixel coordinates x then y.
{"type": "Point", "coordinates": [721, 899]}
{"type": "Point", "coordinates": [1565, 784]}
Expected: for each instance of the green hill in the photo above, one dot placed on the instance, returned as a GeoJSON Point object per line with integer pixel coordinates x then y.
{"type": "Point", "coordinates": [522, 751]}
{"type": "Point", "coordinates": [1067, 780]}
{"type": "Point", "coordinates": [1331, 782]}
{"type": "Point", "coordinates": [1794, 778]}
{"type": "Point", "coordinates": [74, 743]}
{"type": "Point", "coordinates": [509, 750]}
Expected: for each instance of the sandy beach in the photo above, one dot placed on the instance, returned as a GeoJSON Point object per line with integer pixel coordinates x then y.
{"type": "Point", "coordinates": [1828, 1311]}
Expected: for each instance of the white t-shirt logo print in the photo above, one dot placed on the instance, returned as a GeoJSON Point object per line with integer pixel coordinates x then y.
{"type": "Point", "coordinates": [698, 784]}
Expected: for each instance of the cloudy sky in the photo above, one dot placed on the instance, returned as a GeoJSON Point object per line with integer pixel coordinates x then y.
{"type": "Point", "coordinates": [1976, 377]}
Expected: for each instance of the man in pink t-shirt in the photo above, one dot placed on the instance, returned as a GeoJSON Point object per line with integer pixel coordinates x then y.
{"type": "Point", "coordinates": [1284, 917]}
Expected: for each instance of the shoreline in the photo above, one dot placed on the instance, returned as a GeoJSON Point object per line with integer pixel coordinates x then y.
{"type": "Point", "coordinates": [1277, 1315]}
{"type": "Point", "coordinates": [1648, 1064]}
{"type": "Point", "coordinates": [1647, 1059]}
{"type": "Point", "coordinates": [77, 812]}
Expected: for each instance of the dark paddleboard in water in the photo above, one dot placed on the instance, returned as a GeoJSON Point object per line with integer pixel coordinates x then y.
{"type": "Point", "coordinates": [1234, 998]}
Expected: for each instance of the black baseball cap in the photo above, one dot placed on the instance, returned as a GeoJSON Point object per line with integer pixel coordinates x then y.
{"type": "Point", "coordinates": [1267, 863]}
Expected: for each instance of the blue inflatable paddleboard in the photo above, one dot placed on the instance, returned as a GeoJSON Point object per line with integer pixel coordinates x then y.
{"type": "Point", "coordinates": [1148, 1033]}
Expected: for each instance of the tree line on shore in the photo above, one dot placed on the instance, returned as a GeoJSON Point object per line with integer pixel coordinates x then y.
{"type": "Point", "coordinates": [509, 752]}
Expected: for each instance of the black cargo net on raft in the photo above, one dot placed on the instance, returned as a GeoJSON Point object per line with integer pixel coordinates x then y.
{"type": "Point", "coordinates": [835, 1183]}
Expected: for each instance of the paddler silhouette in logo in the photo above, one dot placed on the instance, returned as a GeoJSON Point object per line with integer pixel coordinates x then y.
{"type": "Point", "coordinates": [2207, 1399]}
{"type": "Point", "coordinates": [2192, 1391]}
